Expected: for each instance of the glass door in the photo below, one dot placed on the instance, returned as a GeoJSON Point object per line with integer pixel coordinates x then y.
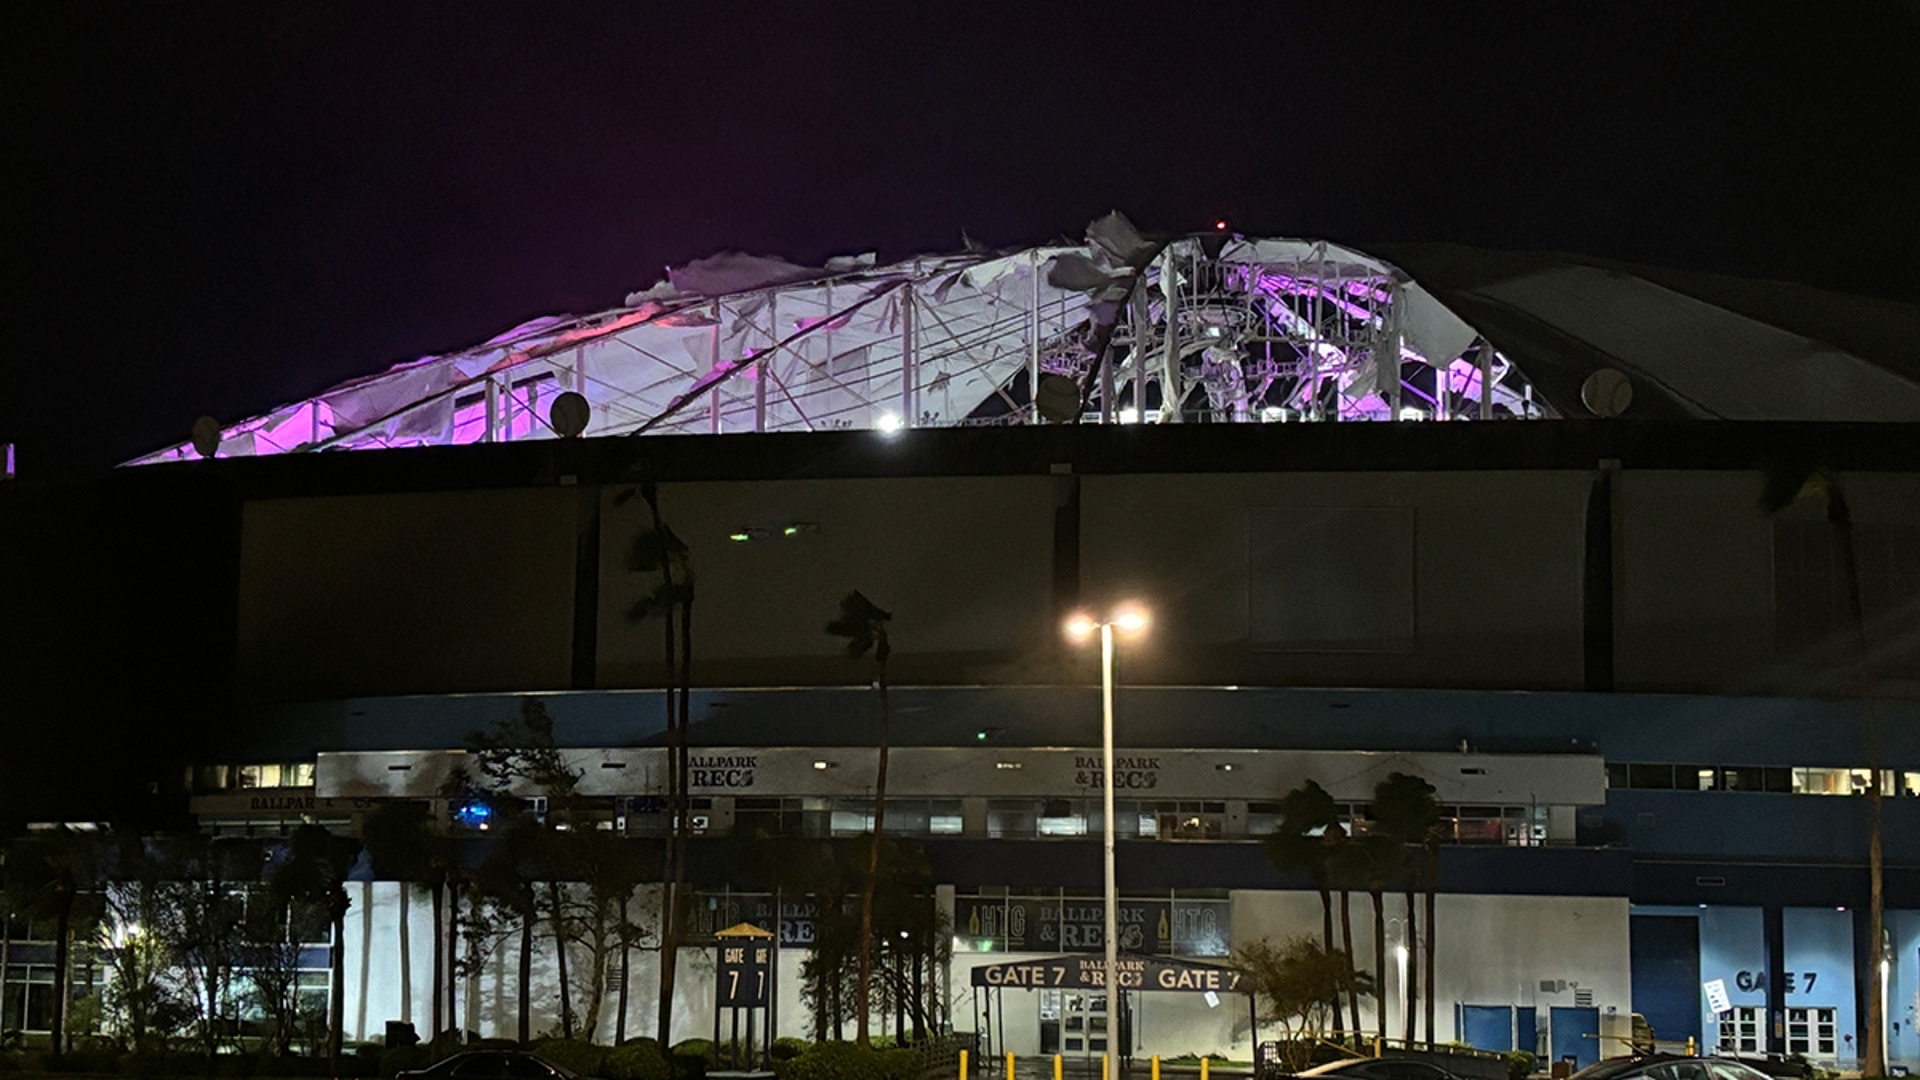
{"type": "Point", "coordinates": [1083, 1017]}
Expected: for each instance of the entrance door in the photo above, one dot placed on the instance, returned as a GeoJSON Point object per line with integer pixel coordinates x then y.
{"type": "Point", "coordinates": [1083, 1022]}
{"type": "Point", "coordinates": [1574, 1035]}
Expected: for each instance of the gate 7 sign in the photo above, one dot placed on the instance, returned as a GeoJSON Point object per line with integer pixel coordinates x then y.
{"type": "Point", "coordinates": [746, 973]}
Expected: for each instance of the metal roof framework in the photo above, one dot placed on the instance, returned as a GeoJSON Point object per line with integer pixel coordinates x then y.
{"type": "Point", "coordinates": [1206, 328]}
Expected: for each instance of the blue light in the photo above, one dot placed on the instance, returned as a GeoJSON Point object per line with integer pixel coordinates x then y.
{"type": "Point", "coordinates": [474, 815]}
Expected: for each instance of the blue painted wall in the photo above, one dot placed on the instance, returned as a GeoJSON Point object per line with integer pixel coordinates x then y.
{"type": "Point", "coordinates": [1819, 944]}
{"type": "Point", "coordinates": [1733, 948]}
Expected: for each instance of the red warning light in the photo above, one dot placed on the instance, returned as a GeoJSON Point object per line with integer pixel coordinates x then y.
{"type": "Point", "coordinates": [1220, 225]}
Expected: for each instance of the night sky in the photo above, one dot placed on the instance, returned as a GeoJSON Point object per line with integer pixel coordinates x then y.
{"type": "Point", "coordinates": [214, 208]}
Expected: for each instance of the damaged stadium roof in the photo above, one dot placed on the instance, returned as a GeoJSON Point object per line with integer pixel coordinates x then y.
{"type": "Point", "coordinates": [1124, 328]}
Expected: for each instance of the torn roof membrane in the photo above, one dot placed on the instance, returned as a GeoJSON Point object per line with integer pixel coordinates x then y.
{"type": "Point", "coordinates": [1122, 329]}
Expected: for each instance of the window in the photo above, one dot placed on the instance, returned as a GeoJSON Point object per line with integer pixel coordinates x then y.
{"type": "Point", "coordinates": [1740, 1029]}
{"type": "Point", "coordinates": [1011, 818]}
{"type": "Point", "coordinates": [299, 774]}
{"type": "Point", "coordinates": [1817, 781]}
{"type": "Point", "coordinates": [1811, 1031]}
{"type": "Point", "coordinates": [1190, 820]}
{"type": "Point", "coordinates": [259, 776]}
{"type": "Point", "coordinates": [1263, 818]}
{"type": "Point", "coordinates": [905, 817]}
{"type": "Point", "coordinates": [1701, 778]}
{"type": "Point", "coordinates": [1656, 777]}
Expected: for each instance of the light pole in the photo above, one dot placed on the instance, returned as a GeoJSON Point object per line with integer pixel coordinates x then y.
{"type": "Point", "coordinates": [1131, 620]}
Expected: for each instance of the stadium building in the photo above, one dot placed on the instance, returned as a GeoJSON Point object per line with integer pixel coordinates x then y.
{"type": "Point", "coordinates": [1490, 520]}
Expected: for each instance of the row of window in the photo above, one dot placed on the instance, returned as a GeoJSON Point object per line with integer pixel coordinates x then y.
{"type": "Point", "coordinates": [1068, 818]}
{"type": "Point", "coordinates": [1782, 780]}
{"type": "Point", "coordinates": [240, 777]}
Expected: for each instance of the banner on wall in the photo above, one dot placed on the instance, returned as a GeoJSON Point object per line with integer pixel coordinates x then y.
{"type": "Point", "coordinates": [1059, 924]}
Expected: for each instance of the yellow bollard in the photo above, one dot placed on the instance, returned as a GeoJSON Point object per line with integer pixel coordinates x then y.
{"type": "Point", "coordinates": [1009, 1073]}
{"type": "Point", "coordinates": [1376, 1045]}
{"type": "Point", "coordinates": [1204, 1062]}
{"type": "Point", "coordinates": [1056, 1067]}
{"type": "Point", "coordinates": [1156, 1067]}
{"type": "Point", "coordinates": [963, 1065]}
{"type": "Point", "coordinates": [1104, 1058]}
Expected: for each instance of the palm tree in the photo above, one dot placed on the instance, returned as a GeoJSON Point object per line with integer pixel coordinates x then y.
{"type": "Point", "coordinates": [657, 549]}
{"type": "Point", "coordinates": [402, 846]}
{"type": "Point", "coordinates": [864, 625]}
{"type": "Point", "coordinates": [1372, 861]}
{"type": "Point", "coordinates": [1785, 486]}
{"type": "Point", "coordinates": [1308, 836]}
{"type": "Point", "coordinates": [1404, 809]}
{"type": "Point", "coordinates": [46, 873]}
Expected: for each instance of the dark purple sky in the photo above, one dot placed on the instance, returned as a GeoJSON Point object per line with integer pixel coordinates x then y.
{"type": "Point", "coordinates": [216, 208]}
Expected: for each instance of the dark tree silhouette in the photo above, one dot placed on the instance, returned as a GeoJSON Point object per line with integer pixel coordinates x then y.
{"type": "Point", "coordinates": [315, 872]}
{"type": "Point", "coordinates": [1784, 486]}
{"type": "Point", "coordinates": [657, 549]}
{"type": "Point", "coordinates": [864, 626]}
{"type": "Point", "coordinates": [1404, 809]}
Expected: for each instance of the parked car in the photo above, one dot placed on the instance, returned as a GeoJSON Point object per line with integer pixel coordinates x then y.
{"type": "Point", "coordinates": [516, 1064]}
{"type": "Point", "coordinates": [1376, 1069]}
{"type": "Point", "coordinates": [1671, 1067]}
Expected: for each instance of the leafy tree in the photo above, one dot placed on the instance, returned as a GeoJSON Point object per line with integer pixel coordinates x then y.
{"type": "Point", "coordinates": [1294, 985]}
{"type": "Point", "coordinates": [1784, 486]}
{"type": "Point", "coordinates": [608, 871]}
{"type": "Point", "coordinates": [1404, 808]}
{"type": "Point", "coordinates": [658, 550]}
{"type": "Point", "coordinates": [315, 873]}
{"type": "Point", "coordinates": [864, 626]}
{"type": "Point", "coordinates": [203, 905]}
{"type": "Point", "coordinates": [515, 753]}
{"type": "Point", "coordinates": [141, 998]}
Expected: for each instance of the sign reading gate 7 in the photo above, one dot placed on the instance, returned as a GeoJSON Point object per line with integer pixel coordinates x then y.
{"type": "Point", "coordinates": [746, 973]}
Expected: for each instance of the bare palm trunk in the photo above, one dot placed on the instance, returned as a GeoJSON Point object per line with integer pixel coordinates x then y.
{"type": "Point", "coordinates": [1840, 519]}
{"type": "Point", "coordinates": [453, 962]}
{"type": "Point", "coordinates": [1326, 943]}
{"type": "Point", "coordinates": [863, 1001]}
{"type": "Point", "coordinates": [526, 973]}
{"type": "Point", "coordinates": [1410, 1028]}
{"type": "Point", "coordinates": [61, 958]}
{"type": "Point", "coordinates": [406, 957]}
{"type": "Point", "coordinates": [1346, 943]}
{"type": "Point", "coordinates": [620, 1021]}
{"type": "Point", "coordinates": [557, 919]}
{"type": "Point", "coordinates": [1433, 876]}
{"type": "Point", "coordinates": [439, 976]}
{"type": "Point", "coordinates": [1379, 962]}
{"type": "Point", "coordinates": [337, 992]}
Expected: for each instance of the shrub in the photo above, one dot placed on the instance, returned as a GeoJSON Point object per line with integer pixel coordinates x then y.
{"type": "Point", "coordinates": [638, 1059]}
{"type": "Point", "coordinates": [577, 1054]}
{"type": "Point", "coordinates": [1519, 1064]}
{"type": "Point", "coordinates": [786, 1048]}
{"type": "Point", "coordinates": [688, 1066]}
{"type": "Point", "coordinates": [848, 1061]}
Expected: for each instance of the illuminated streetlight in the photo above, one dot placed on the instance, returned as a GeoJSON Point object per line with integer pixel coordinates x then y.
{"type": "Point", "coordinates": [1130, 619]}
